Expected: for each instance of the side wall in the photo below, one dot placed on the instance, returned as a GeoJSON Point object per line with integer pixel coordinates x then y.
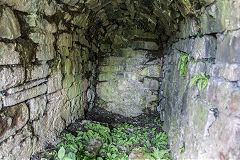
{"type": "Point", "coordinates": [204, 124]}
{"type": "Point", "coordinates": [46, 67]}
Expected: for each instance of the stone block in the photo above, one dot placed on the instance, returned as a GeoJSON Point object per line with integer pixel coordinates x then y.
{"type": "Point", "coordinates": [65, 40]}
{"type": "Point", "coordinates": [55, 81]}
{"type": "Point", "coordinates": [228, 50]}
{"type": "Point", "coordinates": [145, 45]}
{"type": "Point", "coordinates": [188, 27]}
{"type": "Point", "coordinates": [151, 84]}
{"type": "Point", "coordinates": [74, 90]}
{"type": "Point", "coordinates": [9, 25]}
{"type": "Point", "coordinates": [26, 86]}
{"type": "Point", "coordinates": [8, 55]}
{"type": "Point", "coordinates": [106, 76]}
{"type": "Point", "coordinates": [37, 107]}
{"type": "Point", "coordinates": [24, 95]}
{"type": "Point", "coordinates": [13, 119]}
{"type": "Point", "coordinates": [151, 71]}
{"type": "Point", "coordinates": [24, 6]}
{"type": "Point", "coordinates": [45, 49]}
{"type": "Point", "coordinates": [214, 18]}
{"type": "Point", "coordinates": [184, 45]}
{"type": "Point", "coordinates": [204, 47]}
{"type": "Point", "coordinates": [37, 72]}
{"type": "Point", "coordinates": [10, 77]}
{"type": "Point", "coordinates": [111, 68]}
{"type": "Point", "coordinates": [45, 52]}
{"type": "Point", "coordinates": [20, 146]}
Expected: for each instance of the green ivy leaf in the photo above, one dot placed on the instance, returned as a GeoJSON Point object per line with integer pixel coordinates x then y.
{"type": "Point", "coordinates": [61, 153]}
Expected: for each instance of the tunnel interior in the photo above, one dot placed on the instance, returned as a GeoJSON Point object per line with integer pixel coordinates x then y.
{"type": "Point", "coordinates": [179, 60]}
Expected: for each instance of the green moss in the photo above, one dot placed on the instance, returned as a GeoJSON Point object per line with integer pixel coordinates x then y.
{"type": "Point", "coordinates": [67, 66]}
{"type": "Point", "coordinates": [68, 81]}
{"type": "Point", "coordinates": [199, 117]}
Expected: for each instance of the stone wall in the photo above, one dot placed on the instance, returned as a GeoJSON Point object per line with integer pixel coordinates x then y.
{"type": "Point", "coordinates": [46, 67]}
{"type": "Point", "coordinates": [129, 78]}
{"type": "Point", "coordinates": [204, 124]}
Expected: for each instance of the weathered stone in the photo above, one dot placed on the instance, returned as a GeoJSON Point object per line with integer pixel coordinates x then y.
{"type": "Point", "coordinates": [65, 40]}
{"type": "Point", "coordinates": [45, 52]}
{"type": "Point", "coordinates": [50, 9]}
{"type": "Point", "coordinates": [24, 95]}
{"type": "Point", "coordinates": [48, 127]}
{"type": "Point", "coordinates": [229, 44]}
{"type": "Point", "coordinates": [93, 146]}
{"type": "Point", "coordinates": [8, 55]}
{"type": "Point", "coordinates": [9, 26]}
{"type": "Point", "coordinates": [45, 49]}
{"type": "Point", "coordinates": [215, 18]}
{"type": "Point", "coordinates": [13, 119]}
{"type": "Point", "coordinates": [37, 72]}
{"type": "Point", "coordinates": [145, 45]}
{"type": "Point", "coordinates": [55, 81]}
{"type": "Point", "coordinates": [74, 90]}
{"type": "Point", "coordinates": [25, 86]}
{"type": "Point", "coordinates": [151, 83]}
{"type": "Point", "coordinates": [22, 5]}
{"type": "Point", "coordinates": [37, 107]}
{"type": "Point", "coordinates": [204, 47]}
{"type": "Point", "coordinates": [188, 27]}
{"type": "Point", "coordinates": [70, 2]}
{"type": "Point", "coordinates": [10, 77]}
{"type": "Point", "coordinates": [151, 71]}
{"type": "Point", "coordinates": [20, 146]}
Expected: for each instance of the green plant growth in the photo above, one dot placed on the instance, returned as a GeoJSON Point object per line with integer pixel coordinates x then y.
{"type": "Point", "coordinates": [182, 64]}
{"type": "Point", "coordinates": [201, 81]}
{"type": "Point", "coordinates": [182, 149]}
{"type": "Point", "coordinates": [117, 143]}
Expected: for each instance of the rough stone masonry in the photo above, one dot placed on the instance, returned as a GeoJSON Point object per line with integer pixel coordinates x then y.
{"type": "Point", "coordinates": [58, 57]}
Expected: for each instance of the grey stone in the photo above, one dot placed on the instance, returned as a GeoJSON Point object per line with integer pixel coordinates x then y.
{"type": "Point", "coordinates": [37, 72]}
{"type": "Point", "coordinates": [65, 40]}
{"type": "Point", "coordinates": [20, 146]}
{"type": "Point", "coordinates": [214, 19]}
{"type": "Point", "coordinates": [228, 50]}
{"type": "Point", "coordinates": [55, 81]}
{"type": "Point", "coordinates": [204, 47]}
{"type": "Point", "coordinates": [24, 95]}
{"type": "Point", "coordinates": [8, 55]}
{"type": "Point", "coordinates": [26, 86]}
{"type": "Point", "coordinates": [37, 107]}
{"type": "Point", "coordinates": [22, 5]}
{"type": "Point", "coordinates": [13, 119]}
{"type": "Point", "coordinates": [145, 45]}
{"type": "Point", "coordinates": [10, 77]}
{"type": "Point", "coordinates": [93, 146]}
{"type": "Point", "coordinates": [151, 71]}
{"type": "Point", "coordinates": [45, 49]}
{"type": "Point", "coordinates": [9, 25]}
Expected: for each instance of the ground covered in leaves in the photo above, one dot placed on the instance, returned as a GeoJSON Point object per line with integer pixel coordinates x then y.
{"type": "Point", "coordinates": [138, 138]}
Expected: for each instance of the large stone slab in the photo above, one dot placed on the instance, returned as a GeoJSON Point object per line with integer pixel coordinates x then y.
{"type": "Point", "coordinates": [10, 77]}
{"type": "Point", "coordinates": [228, 50]}
{"type": "Point", "coordinates": [24, 95]}
{"type": "Point", "coordinates": [8, 55]}
{"type": "Point", "coordinates": [55, 81]}
{"type": "Point", "coordinates": [20, 146]}
{"type": "Point", "coordinates": [24, 6]}
{"type": "Point", "coordinates": [13, 119]}
{"type": "Point", "coordinates": [37, 72]}
{"type": "Point", "coordinates": [9, 25]}
{"type": "Point", "coordinates": [37, 107]}
{"type": "Point", "coordinates": [145, 45]}
{"type": "Point", "coordinates": [26, 86]}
